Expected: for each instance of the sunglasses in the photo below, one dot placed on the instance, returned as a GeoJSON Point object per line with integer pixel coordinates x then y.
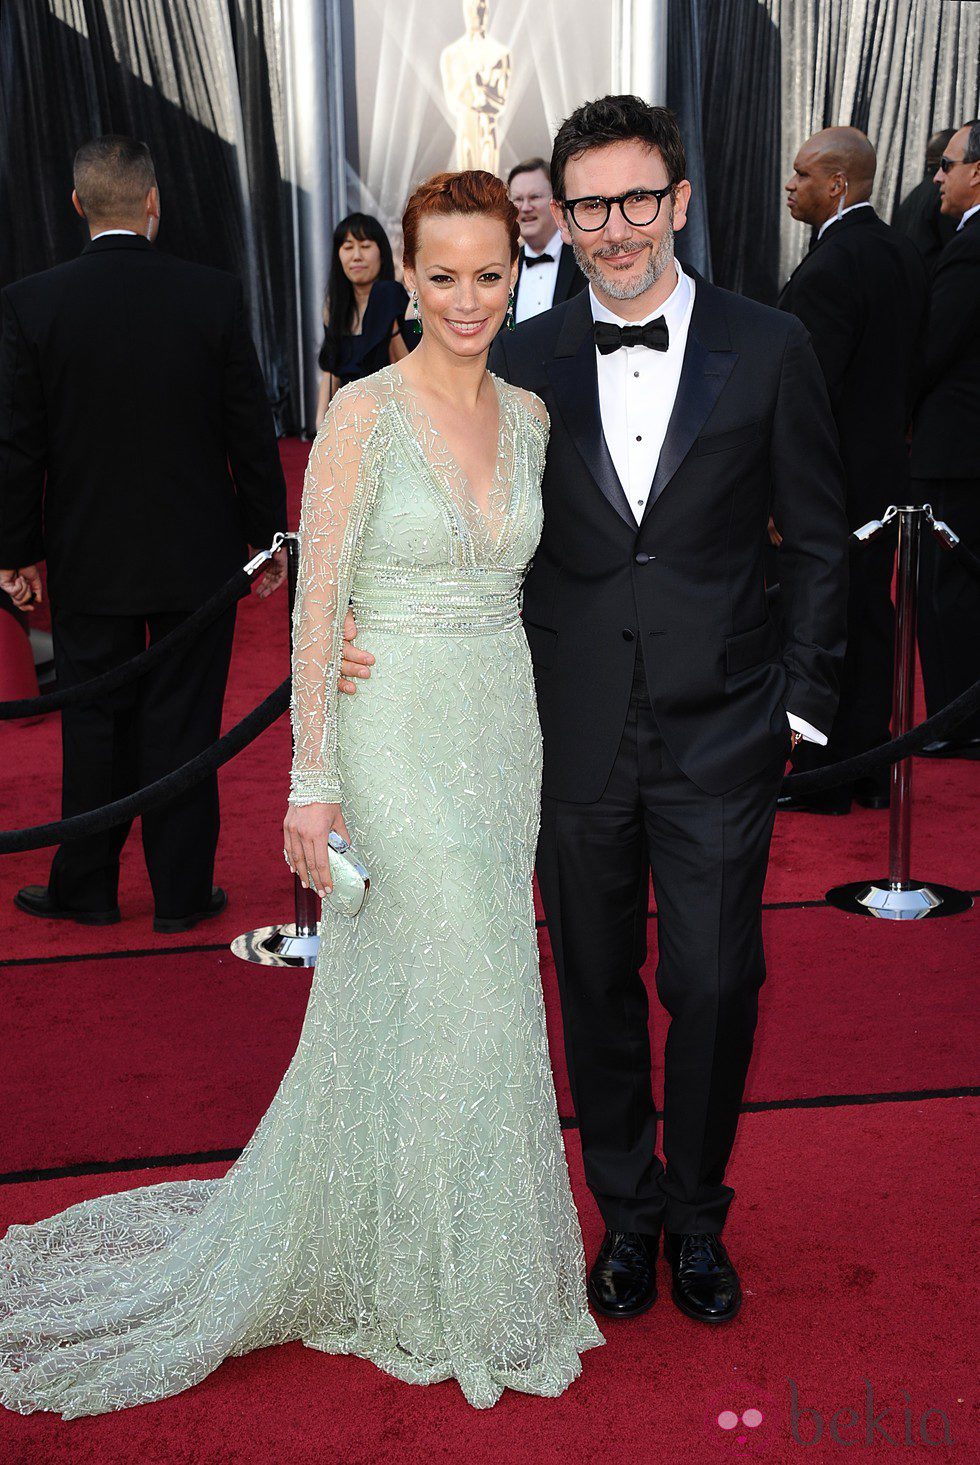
{"type": "Point", "coordinates": [947, 163]}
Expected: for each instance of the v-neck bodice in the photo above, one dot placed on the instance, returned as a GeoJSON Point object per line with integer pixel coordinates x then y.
{"type": "Point", "coordinates": [389, 525]}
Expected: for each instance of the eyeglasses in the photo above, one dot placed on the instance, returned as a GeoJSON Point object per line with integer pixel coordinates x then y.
{"type": "Point", "coordinates": [517, 199]}
{"type": "Point", "coordinates": [640, 206]}
{"type": "Point", "coordinates": [947, 163]}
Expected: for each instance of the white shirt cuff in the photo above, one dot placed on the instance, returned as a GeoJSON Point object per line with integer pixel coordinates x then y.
{"type": "Point", "coordinates": [806, 730]}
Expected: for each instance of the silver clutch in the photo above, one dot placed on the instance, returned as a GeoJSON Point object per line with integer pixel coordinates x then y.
{"type": "Point", "coordinates": [351, 881]}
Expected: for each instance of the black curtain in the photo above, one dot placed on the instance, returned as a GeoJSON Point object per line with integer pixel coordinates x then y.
{"type": "Point", "coordinates": [751, 80]}
{"type": "Point", "coordinates": [199, 83]}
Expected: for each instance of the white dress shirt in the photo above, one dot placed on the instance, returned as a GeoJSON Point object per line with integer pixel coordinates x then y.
{"type": "Point", "coordinates": [835, 217]}
{"type": "Point", "coordinates": [536, 290]}
{"type": "Point", "coordinates": [637, 388]}
{"type": "Point", "coordinates": [103, 232]}
{"type": "Point", "coordinates": [968, 215]}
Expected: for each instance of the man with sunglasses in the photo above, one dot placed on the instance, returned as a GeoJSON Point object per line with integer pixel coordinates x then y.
{"type": "Point", "coordinates": [681, 415]}
{"type": "Point", "coordinates": [945, 453]}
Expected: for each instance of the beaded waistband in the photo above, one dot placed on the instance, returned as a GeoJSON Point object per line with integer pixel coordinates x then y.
{"type": "Point", "coordinates": [420, 603]}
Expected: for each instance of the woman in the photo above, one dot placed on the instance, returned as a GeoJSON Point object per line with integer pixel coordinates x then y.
{"type": "Point", "coordinates": [405, 1197]}
{"type": "Point", "coordinates": [364, 312]}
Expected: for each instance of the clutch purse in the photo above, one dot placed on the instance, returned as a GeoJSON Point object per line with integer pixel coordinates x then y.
{"type": "Point", "coordinates": [351, 881]}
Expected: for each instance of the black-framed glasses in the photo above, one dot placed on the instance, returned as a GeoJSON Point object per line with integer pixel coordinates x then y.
{"type": "Point", "coordinates": [947, 163]}
{"type": "Point", "coordinates": [639, 207]}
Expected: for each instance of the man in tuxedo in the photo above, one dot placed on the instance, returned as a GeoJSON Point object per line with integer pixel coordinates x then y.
{"type": "Point", "coordinates": [861, 292]}
{"type": "Point", "coordinates": [669, 700]}
{"type": "Point", "coordinates": [546, 270]}
{"type": "Point", "coordinates": [138, 457]}
{"type": "Point", "coordinates": [945, 453]}
{"type": "Point", "coordinates": [919, 215]}
{"type": "Point", "coordinates": [680, 416]}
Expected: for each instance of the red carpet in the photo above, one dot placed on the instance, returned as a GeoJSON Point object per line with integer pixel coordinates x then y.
{"type": "Point", "coordinates": [850, 1227]}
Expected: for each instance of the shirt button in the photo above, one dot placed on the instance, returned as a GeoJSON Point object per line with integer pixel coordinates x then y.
{"type": "Point", "coordinates": [643, 559]}
{"type": "Point", "coordinates": [639, 437]}
{"type": "Point", "coordinates": [627, 635]}
{"type": "Point", "coordinates": [636, 373]}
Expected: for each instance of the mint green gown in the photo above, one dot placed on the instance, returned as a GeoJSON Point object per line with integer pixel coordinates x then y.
{"type": "Point", "coordinates": [405, 1197]}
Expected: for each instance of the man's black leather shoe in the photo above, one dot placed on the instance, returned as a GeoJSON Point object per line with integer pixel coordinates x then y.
{"type": "Point", "coordinates": [706, 1285]}
{"type": "Point", "coordinates": [951, 748]}
{"type": "Point", "coordinates": [872, 793]}
{"type": "Point", "coordinates": [215, 906]}
{"type": "Point", "coordinates": [623, 1279]}
{"type": "Point", "coordinates": [830, 801]}
{"type": "Point", "coordinates": [36, 901]}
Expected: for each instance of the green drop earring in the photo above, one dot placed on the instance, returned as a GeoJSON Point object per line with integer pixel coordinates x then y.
{"type": "Point", "coordinates": [417, 322]}
{"type": "Point", "coordinates": [511, 322]}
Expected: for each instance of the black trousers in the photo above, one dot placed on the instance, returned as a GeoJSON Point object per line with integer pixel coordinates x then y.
{"type": "Point", "coordinates": [708, 856]}
{"type": "Point", "coordinates": [949, 599]}
{"type": "Point", "coordinates": [122, 742]}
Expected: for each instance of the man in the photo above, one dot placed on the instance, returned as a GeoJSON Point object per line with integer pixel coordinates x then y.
{"type": "Point", "coordinates": [861, 292]}
{"type": "Point", "coordinates": [668, 700]}
{"type": "Point", "coordinates": [919, 215]}
{"type": "Point", "coordinates": [945, 454]}
{"type": "Point", "coordinates": [129, 386]}
{"type": "Point", "coordinates": [546, 270]}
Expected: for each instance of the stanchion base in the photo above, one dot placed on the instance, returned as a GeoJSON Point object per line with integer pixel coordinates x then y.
{"type": "Point", "coordinates": [887, 902]}
{"type": "Point", "coordinates": [277, 946]}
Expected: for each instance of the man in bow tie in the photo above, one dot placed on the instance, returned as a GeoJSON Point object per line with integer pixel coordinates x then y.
{"type": "Point", "coordinates": [681, 415]}
{"type": "Point", "coordinates": [546, 270]}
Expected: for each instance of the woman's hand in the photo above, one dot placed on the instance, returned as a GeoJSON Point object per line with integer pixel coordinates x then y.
{"type": "Point", "coordinates": [305, 831]}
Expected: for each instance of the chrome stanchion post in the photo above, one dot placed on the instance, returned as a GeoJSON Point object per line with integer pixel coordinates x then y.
{"type": "Point", "coordinates": [294, 944]}
{"type": "Point", "coordinates": [900, 898]}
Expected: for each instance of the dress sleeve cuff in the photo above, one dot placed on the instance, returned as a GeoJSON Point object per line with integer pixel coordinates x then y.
{"type": "Point", "coordinates": [807, 731]}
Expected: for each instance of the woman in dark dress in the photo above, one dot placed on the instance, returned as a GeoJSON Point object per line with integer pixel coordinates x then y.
{"type": "Point", "coordinates": [364, 312]}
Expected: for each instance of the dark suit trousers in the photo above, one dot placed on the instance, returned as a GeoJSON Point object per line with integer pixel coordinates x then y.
{"type": "Point", "coordinates": [708, 856]}
{"type": "Point", "coordinates": [122, 742]}
{"type": "Point", "coordinates": [949, 599]}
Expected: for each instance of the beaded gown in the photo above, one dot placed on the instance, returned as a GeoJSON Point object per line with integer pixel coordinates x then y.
{"type": "Point", "coordinates": [405, 1197]}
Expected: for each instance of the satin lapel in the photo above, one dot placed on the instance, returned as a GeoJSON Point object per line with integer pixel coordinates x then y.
{"type": "Point", "coordinates": [566, 269]}
{"type": "Point", "coordinates": [572, 372]}
{"type": "Point", "coordinates": [707, 366]}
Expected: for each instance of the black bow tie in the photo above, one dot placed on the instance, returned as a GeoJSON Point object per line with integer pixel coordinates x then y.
{"type": "Point", "coordinates": [609, 337]}
{"type": "Point", "coordinates": [530, 260]}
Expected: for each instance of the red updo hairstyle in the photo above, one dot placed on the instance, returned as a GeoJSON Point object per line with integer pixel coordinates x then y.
{"type": "Point", "coordinates": [472, 192]}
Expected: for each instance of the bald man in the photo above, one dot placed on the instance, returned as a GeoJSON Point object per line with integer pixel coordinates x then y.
{"type": "Point", "coordinates": [919, 215]}
{"type": "Point", "coordinates": [861, 292]}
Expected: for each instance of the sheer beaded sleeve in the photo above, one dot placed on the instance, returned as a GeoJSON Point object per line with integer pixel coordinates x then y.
{"type": "Point", "coordinates": [337, 495]}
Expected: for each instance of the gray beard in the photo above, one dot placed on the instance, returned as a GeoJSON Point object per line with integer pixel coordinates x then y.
{"type": "Point", "coordinates": [657, 262]}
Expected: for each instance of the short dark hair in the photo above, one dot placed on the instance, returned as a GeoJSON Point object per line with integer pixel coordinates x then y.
{"type": "Point", "coordinates": [617, 119]}
{"type": "Point", "coordinates": [971, 153]}
{"type": "Point", "coordinates": [112, 175]}
{"type": "Point", "coordinates": [529, 165]}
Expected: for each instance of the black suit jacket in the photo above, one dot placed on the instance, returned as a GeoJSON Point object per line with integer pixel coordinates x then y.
{"type": "Point", "coordinates": [137, 448]}
{"type": "Point", "coordinates": [862, 293]}
{"type": "Point", "coordinates": [570, 279]}
{"type": "Point", "coordinates": [750, 429]}
{"type": "Point", "coordinates": [946, 436]}
{"type": "Point", "coordinates": [919, 217]}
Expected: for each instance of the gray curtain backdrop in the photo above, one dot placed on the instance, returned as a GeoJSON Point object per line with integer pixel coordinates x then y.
{"type": "Point", "coordinates": [201, 82]}
{"type": "Point", "coordinates": [755, 78]}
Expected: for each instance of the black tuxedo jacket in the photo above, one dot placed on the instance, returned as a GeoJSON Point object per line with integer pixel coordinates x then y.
{"type": "Point", "coordinates": [137, 448]}
{"type": "Point", "coordinates": [570, 279]}
{"type": "Point", "coordinates": [918, 217]}
{"type": "Point", "coordinates": [862, 293]}
{"type": "Point", "coordinates": [946, 436]}
{"type": "Point", "coordinates": [750, 431]}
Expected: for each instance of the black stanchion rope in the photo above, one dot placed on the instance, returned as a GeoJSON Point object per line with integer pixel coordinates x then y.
{"type": "Point", "coordinates": [234, 589]}
{"type": "Point", "coordinates": [155, 794]}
